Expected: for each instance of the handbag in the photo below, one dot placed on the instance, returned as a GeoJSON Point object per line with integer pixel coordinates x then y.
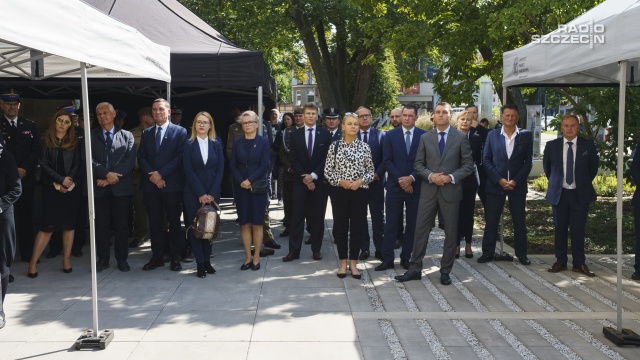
{"type": "Point", "coordinates": [260, 186]}
{"type": "Point", "coordinates": [206, 223]}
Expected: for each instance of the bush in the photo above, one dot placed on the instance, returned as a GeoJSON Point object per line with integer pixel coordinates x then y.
{"type": "Point", "coordinates": [605, 185]}
{"type": "Point", "coordinates": [540, 184]}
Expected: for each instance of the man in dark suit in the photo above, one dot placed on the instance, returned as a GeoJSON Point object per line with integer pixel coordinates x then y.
{"type": "Point", "coordinates": [160, 161]}
{"type": "Point", "coordinates": [443, 160]}
{"type": "Point", "coordinates": [375, 139]}
{"type": "Point", "coordinates": [395, 119]}
{"type": "Point", "coordinates": [287, 170]}
{"type": "Point", "coordinates": [113, 157]}
{"type": "Point", "coordinates": [403, 191]}
{"type": "Point", "coordinates": [22, 141]}
{"type": "Point", "coordinates": [309, 146]}
{"type": "Point", "coordinates": [508, 159]}
{"type": "Point", "coordinates": [570, 163]}
{"type": "Point", "coordinates": [635, 173]}
{"type": "Point", "coordinates": [483, 132]}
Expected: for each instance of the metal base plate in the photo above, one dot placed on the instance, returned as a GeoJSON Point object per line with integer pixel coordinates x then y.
{"type": "Point", "coordinates": [627, 337]}
{"type": "Point", "coordinates": [88, 340]}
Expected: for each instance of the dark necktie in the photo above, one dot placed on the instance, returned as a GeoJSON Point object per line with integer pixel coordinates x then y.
{"type": "Point", "coordinates": [407, 141]}
{"type": "Point", "coordinates": [310, 143]}
{"type": "Point", "coordinates": [441, 142]}
{"type": "Point", "coordinates": [569, 170]}
{"type": "Point", "coordinates": [158, 137]}
{"type": "Point", "coordinates": [13, 123]}
{"type": "Point", "coordinates": [365, 139]}
{"type": "Point", "coordinates": [107, 147]}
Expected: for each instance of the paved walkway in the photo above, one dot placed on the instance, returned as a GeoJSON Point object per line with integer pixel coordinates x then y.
{"type": "Point", "coordinates": [302, 310]}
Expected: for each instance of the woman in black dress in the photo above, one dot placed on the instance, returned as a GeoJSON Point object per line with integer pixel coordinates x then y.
{"type": "Point", "coordinates": [249, 165]}
{"type": "Point", "coordinates": [10, 190]}
{"type": "Point", "coordinates": [60, 160]}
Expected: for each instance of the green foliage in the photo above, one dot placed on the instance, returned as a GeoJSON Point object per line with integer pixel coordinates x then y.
{"type": "Point", "coordinates": [604, 185]}
{"type": "Point", "coordinates": [540, 184]}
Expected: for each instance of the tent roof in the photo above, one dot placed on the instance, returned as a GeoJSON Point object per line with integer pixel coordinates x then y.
{"type": "Point", "coordinates": [200, 55]}
{"type": "Point", "coordinates": [614, 21]}
{"type": "Point", "coordinates": [40, 39]}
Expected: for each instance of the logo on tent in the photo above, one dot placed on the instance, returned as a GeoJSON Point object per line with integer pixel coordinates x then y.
{"type": "Point", "coordinates": [588, 33]}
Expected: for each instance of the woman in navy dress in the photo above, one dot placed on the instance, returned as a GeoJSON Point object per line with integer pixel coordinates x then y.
{"type": "Point", "coordinates": [250, 163]}
{"type": "Point", "coordinates": [203, 163]}
{"type": "Point", "coordinates": [60, 160]}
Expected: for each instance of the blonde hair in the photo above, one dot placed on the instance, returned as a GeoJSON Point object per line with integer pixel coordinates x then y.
{"type": "Point", "coordinates": [465, 114]}
{"type": "Point", "coordinates": [212, 129]}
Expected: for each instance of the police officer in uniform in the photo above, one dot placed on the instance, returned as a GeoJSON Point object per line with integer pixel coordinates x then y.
{"type": "Point", "coordinates": [21, 140]}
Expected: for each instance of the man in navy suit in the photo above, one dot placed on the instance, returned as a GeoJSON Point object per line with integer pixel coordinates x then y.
{"type": "Point", "coordinates": [309, 146]}
{"type": "Point", "coordinates": [507, 159]}
{"type": "Point", "coordinates": [403, 191]}
{"type": "Point", "coordinates": [160, 161]}
{"type": "Point", "coordinates": [570, 163]}
{"type": "Point", "coordinates": [113, 157]}
{"type": "Point", "coordinates": [375, 139]}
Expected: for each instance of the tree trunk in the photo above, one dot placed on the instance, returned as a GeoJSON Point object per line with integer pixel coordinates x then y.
{"type": "Point", "coordinates": [364, 76]}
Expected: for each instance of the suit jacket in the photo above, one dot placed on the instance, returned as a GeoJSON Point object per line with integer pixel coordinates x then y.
{"type": "Point", "coordinates": [396, 161]}
{"type": "Point", "coordinates": [122, 159]}
{"type": "Point", "coordinates": [201, 178]}
{"type": "Point", "coordinates": [23, 143]}
{"type": "Point", "coordinates": [585, 169]}
{"type": "Point", "coordinates": [167, 160]}
{"type": "Point", "coordinates": [299, 156]}
{"type": "Point", "coordinates": [475, 142]}
{"type": "Point", "coordinates": [337, 135]}
{"type": "Point", "coordinates": [252, 165]}
{"type": "Point", "coordinates": [499, 166]}
{"type": "Point", "coordinates": [72, 160]}
{"type": "Point", "coordinates": [455, 160]}
{"type": "Point", "coordinates": [375, 140]}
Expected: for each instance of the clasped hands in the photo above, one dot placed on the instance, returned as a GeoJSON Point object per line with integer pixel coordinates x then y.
{"type": "Point", "coordinates": [111, 179]}
{"type": "Point", "coordinates": [307, 179]}
{"type": "Point", "coordinates": [440, 178]}
{"type": "Point", "coordinates": [406, 184]}
{"type": "Point", "coordinates": [157, 179]}
{"type": "Point", "coordinates": [246, 184]}
{"type": "Point", "coordinates": [507, 184]}
{"type": "Point", "coordinates": [351, 184]}
{"type": "Point", "coordinates": [205, 199]}
{"type": "Point", "coordinates": [66, 184]}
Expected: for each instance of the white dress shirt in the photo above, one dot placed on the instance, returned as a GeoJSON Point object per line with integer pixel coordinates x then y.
{"type": "Point", "coordinates": [204, 148]}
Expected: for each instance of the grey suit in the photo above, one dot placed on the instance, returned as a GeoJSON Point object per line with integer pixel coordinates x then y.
{"type": "Point", "coordinates": [456, 161]}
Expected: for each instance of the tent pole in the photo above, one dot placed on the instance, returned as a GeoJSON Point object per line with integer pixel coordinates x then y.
{"type": "Point", "coordinates": [169, 92]}
{"type": "Point", "coordinates": [621, 113]}
{"type": "Point", "coordinates": [90, 338]}
{"type": "Point", "coordinates": [259, 112]}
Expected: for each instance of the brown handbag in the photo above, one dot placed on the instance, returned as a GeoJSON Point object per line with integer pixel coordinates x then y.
{"type": "Point", "coordinates": [206, 223]}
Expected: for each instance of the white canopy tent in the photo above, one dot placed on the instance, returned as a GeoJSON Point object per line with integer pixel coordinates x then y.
{"type": "Point", "coordinates": [40, 39]}
{"type": "Point", "coordinates": [599, 48]}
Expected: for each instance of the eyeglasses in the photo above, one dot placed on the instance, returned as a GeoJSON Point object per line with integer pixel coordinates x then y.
{"type": "Point", "coordinates": [364, 116]}
{"type": "Point", "coordinates": [245, 123]}
{"type": "Point", "coordinates": [350, 114]}
{"type": "Point", "coordinates": [63, 121]}
{"type": "Point", "coordinates": [202, 123]}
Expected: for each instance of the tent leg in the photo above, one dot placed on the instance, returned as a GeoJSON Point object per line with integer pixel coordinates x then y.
{"type": "Point", "coordinates": [620, 336]}
{"type": "Point", "coordinates": [88, 338]}
{"type": "Point", "coordinates": [259, 112]}
{"type": "Point", "coordinates": [169, 93]}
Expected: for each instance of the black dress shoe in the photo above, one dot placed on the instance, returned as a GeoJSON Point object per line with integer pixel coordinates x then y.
{"type": "Point", "coordinates": [246, 266]}
{"type": "Point", "coordinates": [484, 259]}
{"type": "Point", "coordinates": [409, 275]}
{"type": "Point", "coordinates": [67, 271]}
{"type": "Point", "coordinates": [445, 279]}
{"type": "Point", "coordinates": [364, 255]}
{"type": "Point", "coordinates": [341, 276]}
{"type": "Point", "coordinates": [285, 233]}
{"type": "Point", "coordinates": [272, 244]}
{"type": "Point", "coordinates": [384, 266]}
{"type": "Point", "coordinates": [525, 261]}
{"type": "Point", "coordinates": [123, 266]}
{"type": "Point", "coordinates": [32, 275]}
{"type": "Point", "coordinates": [317, 256]}
{"type": "Point", "coordinates": [557, 267]}
{"type": "Point", "coordinates": [583, 269]}
{"type": "Point", "coordinates": [378, 255]}
{"type": "Point", "coordinates": [175, 265]}
{"type": "Point", "coordinates": [153, 264]}
{"type": "Point", "coordinates": [208, 268]}
{"type": "Point", "coordinates": [200, 272]}
{"type": "Point", "coordinates": [11, 278]}
{"type": "Point", "coordinates": [405, 264]}
{"type": "Point", "coordinates": [255, 267]}
{"type": "Point", "coordinates": [101, 265]}
{"type": "Point", "coordinates": [635, 275]}
{"type": "Point", "coordinates": [290, 257]}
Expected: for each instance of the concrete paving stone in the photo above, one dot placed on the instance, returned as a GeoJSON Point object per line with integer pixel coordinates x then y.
{"type": "Point", "coordinates": [358, 299]}
{"type": "Point", "coordinates": [391, 299]}
{"type": "Point", "coordinates": [214, 297]}
{"type": "Point", "coordinates": [204, 325]}
{"type": "Point", "coordinates": [303, 299]}
{"type": "Point", "coordinates": [127, 325]}
{"type": "Point", "coordinates": [503, 352]}
{"type": "Point", "coordinates": [486, 333]}
{"type": "Point", "coordinates": [304, 326]}
{"type": "Point", "coordinates": [140, 298]}
{"type": "Point", "coordinates": [306, 350]}
{"type": "Point", "coordinates": [376, 353]}
{"type": "Point", "coordinates": [65, 350]}
{"type": "Point", "coordinates": [8, 347]}
{"type": "Point", "coordinates": [447, 332]}
{"type": "Point", "coordinates": [461, 352]}
{"type": "Point", "coordinates": [227, 350]}
{"type": "Point", "coordinates": [44, 298]}
{"type": "Point", "coordinates": [369, 332]}
{"type": "Point", "coordinates": [525, 333]}
{"type": "Point", "coordinates": [24, 324]}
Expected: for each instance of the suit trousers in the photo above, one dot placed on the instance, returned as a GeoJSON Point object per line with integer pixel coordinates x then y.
{"type": "Point", "coordinates": [467, 211]}
{"type": "Point", "coordinates": [494, 206]}
{"type": "Point", "coordinates": [140, 227]}
{"type": "Point", "coordinates": [160, 204]}
{"type": "Point", "coordinates": [24, 222]}
{"type": "Point", "coordinates": [636, 219]}
{"type": "Point", "coordinates": [349, 218]}
{"type": "Point", "coordinates": [395, 204]}
{"type": "Point", "coordinates": [287, 202]}
{"type": "Point", "coordinates": [306, 200]}
{"type": "Point", "coordinates": [112, 212]}
{"type": "Point", "coordinates": [376, 209]}
{"type": "Point", "coordinates": [570, 213]}
{"type": "Point", "coordinates": [427, 213]}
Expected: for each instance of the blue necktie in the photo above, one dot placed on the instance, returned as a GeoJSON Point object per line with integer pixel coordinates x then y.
{"type": "Point", "coordinates": [441, 142]}
{"type": "Point", "coordinates": [107, 147]}
{"type": "Point", "coordinates": [569, 170]}
{"type": "Point", "coordinates": [365, 139]}
{"type": "Point", "coordinates": [310, 143]}
{"type": "Point", "coordinates": [158, 137]}
{"type": "Point", "coordinates": [407, 141]}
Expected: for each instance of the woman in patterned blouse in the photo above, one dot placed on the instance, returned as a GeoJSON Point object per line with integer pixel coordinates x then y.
{"type": "Point", "coordinates": [349, 169]}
